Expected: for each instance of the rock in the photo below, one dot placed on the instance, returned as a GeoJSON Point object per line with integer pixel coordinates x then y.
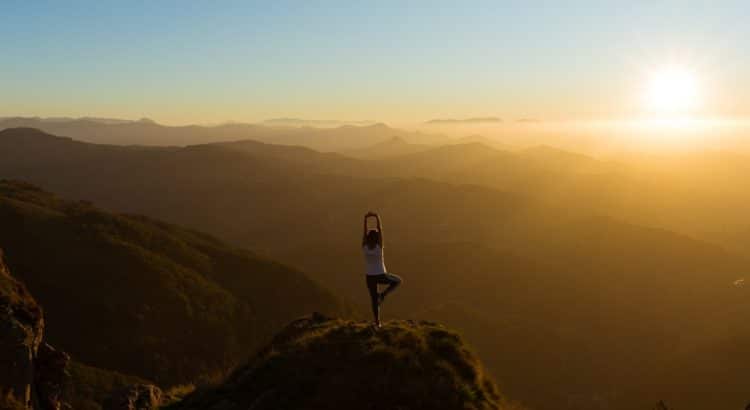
{"type": "Point", "coordinates": [135, 397]}
{"type": "Point", "coordinates": [50, 375]}
{"type": "Point", "coordinates": [32, 373]}
{"type": "Point", "coordinates": [21, 330]}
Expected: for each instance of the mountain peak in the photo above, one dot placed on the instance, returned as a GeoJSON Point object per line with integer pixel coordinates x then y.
{"type": "Point", "coordinates": [379, 125]}
{"type": "Point", "coordinates": [25, 131]}
{"type": "Point", "coordinates": [28, 134]}
{"type": "Point", "coordinates": [395, 140]}
{"type": "Point", "coordinates": [317, 361]}
{"type": "Point", "coordinates": [472, 120]}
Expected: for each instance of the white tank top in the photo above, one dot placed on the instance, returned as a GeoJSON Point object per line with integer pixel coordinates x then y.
{"type": "Point", "coordinates": [374, 262]}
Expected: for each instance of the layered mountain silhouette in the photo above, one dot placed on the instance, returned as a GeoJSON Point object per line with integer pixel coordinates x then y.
{"type": "Point", "coordinates": [393, 147]}
{"type": "Point", "coordinates": [565, 304]}
{"type": "Point", "coordinates": [464, 121]}
{"type": "Point", "coordinates": [494, 143]}
{"type": "Point", "coordinates": [147, 132]}
{"type": "Point", "coordinates": [322, 363]}
{"type": "Point", "coordinates": [299, 122]}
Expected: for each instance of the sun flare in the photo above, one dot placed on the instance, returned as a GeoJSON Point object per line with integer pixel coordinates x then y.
{"type": "Point", "coordinates": [672, 90]}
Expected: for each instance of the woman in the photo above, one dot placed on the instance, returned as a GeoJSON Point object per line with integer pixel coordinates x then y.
{"type": "Point", "coordinates": [372, 246]}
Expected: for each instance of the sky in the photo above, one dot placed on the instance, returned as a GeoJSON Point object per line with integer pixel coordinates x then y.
{"type": "Point", "coordinates": [397, 62]}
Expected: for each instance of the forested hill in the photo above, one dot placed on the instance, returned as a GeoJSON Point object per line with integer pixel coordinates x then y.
{"type": "Point", "coordinates": [144, 297]}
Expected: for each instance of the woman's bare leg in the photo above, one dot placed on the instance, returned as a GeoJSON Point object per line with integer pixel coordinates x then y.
{"type": "Point", "coordinates": [372, 288]}
{"type": "Point", "coordinates": [393, 281]}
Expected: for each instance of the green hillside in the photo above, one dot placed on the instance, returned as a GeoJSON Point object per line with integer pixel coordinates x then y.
{"type": "Point", "coordinates": [145, 297]}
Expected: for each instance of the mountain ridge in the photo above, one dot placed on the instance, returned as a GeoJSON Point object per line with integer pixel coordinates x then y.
{"type": "Point", "coordinates": [463, 121]}
{"type": "Point", "coordinates": [149, 133]}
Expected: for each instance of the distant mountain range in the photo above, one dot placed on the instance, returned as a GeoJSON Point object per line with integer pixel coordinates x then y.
{"type": "Point", "coordinates": [393, 147]}
{"type": "Point", "coordinates": [565, 304]}
{"type": "Point", "coordinates": [73, 119]}
{"type": "Point", "coordinates": [298, 122]}
{"type": "Point", "coordinates": [474, 120]}
{"type": "Point", "coordinates": [397, 146]}
{"type": "Point", "coordinates": [149, 133]}
{"type": "Point", "coordinates": [490, 142]}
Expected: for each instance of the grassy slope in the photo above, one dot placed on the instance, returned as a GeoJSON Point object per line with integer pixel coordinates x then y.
{"type": "Point", "coordinates": [144, 297]}
{"type": "Point", "coordinates": [319, 363]}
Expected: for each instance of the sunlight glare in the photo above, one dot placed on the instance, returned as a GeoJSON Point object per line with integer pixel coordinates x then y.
{"type": "Point", "coordinates": [672, 91]}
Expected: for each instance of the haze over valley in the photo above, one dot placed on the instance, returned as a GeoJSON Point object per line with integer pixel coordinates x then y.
{"type": "Point", "coordinates": [395, 206]}
{"type": "Point", "coordinates": [462, 218]}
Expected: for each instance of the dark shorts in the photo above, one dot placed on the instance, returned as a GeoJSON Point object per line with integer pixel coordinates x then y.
{"type": "Point", "coordinates": [385, 279]}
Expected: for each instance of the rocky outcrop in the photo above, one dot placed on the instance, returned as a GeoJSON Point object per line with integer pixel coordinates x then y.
{"type": "Point", "coordinates": [136, 397]}
{"type": "Point", "coordinates": [318, 363]}
{"type": "Point", "coordinates": [21, 330]}
{"type": "Point", "coordinates": [32, 373]}
{"type": "Point", "coordinates": [50, 376]}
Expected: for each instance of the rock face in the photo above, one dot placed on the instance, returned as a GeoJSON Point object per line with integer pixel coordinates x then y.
{"type": "Point", "coordinates": [322, 363]}
{"type": "Point", "coordinates": [32, 373]}
{"type": "Point", "coordinates": [136, 397]}
{"type": "Point", "coordinates": [21, 330]}
{"type": "Point", "coordinates": [50, 375]}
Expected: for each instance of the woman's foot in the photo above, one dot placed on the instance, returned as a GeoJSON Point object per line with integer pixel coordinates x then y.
{"type": "Point", "coordinates": [381, 298]}
{"type": "Point", "coordinates": [377, 325]}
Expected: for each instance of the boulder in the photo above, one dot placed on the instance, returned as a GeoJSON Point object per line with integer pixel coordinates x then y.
{"type": "Point", "coordinates": [135, 397]}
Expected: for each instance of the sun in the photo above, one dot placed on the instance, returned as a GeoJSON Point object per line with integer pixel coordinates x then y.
{"type": "Point", "coordinates": [672, 91]}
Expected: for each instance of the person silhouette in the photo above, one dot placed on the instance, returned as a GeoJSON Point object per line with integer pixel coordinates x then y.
{"type": "Point", "coordinates": [375, 272]}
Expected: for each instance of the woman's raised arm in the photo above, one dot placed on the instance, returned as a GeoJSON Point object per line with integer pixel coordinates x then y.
{"type": "Point", "coordinates": [380, 229]}
{"type": "Point", "coordinates": [364, 229]}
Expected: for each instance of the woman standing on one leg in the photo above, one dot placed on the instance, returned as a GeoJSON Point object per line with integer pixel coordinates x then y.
{"type": "Point", "coordinates": [372, 246]}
